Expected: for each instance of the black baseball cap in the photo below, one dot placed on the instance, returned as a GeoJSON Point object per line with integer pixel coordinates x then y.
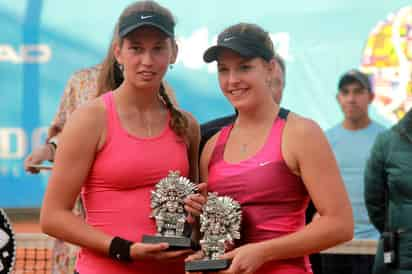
{"type": "Point", "coordinates": [146, 18]}
{"type": "Point", "coordinates": [355, 75]}
{"type": "Point", "coordinates": [247, 44]}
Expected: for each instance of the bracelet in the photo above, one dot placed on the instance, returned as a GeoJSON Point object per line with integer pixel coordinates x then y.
{"type": "Point", "coordinates": [52, 147]}
{"type": "Point", "coordinates": [120, 249]}
{"type": "Point", "coordinates": [53, 140]}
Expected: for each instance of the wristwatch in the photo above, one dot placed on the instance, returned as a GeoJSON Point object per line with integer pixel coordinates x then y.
{"type": "Point", "coordinates": [53, 141]}
{"type": "Point", "coordinates": [53, 146]}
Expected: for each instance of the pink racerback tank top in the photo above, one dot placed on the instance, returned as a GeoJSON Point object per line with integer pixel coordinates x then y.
{"type": "Point", "coordinates": [116, 194]}
{"type": "Point", "coordinates": [273, 199]}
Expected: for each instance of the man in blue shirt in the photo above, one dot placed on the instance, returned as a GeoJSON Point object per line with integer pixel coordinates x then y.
{"type": "Point", "coordinates": [351, 141]}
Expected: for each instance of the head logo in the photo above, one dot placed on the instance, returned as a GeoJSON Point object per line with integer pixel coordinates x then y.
{"type": "Point", "coordinates": [31, 54]}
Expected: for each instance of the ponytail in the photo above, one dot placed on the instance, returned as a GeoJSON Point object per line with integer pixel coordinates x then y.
{"type": "Point", "coordinates": [179, 123]}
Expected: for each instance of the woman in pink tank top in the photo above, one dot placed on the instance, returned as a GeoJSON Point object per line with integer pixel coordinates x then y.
{"type": "Point", "coordinates": [272, 163]}
{"type": "Point", "coordinates": [113, 151]}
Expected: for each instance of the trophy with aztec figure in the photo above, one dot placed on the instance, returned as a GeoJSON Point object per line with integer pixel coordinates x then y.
{"type": "Point", "coordinates": [220, 225]}
{"type": "Point", "coordinates": [167, 203]}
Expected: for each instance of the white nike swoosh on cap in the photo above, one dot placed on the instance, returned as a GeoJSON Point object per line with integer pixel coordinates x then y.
{"type": "Point", "coordinates": [145, 17]}
{"type": "Point", "coordinates": [228, 38]}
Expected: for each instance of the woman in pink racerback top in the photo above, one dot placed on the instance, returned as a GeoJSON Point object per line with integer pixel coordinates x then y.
{"type": "Point", "coordinates": [114, 149]}
{"type": "Point", "coordinates": [272, 162]}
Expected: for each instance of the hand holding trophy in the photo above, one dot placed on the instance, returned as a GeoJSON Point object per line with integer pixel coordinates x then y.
{"type": "Point", "coordinates": [220, 225]}
{"type": "Point", "coordinates": [167, 203]}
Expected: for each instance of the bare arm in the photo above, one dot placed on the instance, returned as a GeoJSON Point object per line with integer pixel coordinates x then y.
{"type": "Point", "coordinates": [193, 150]}
{"type": "Point", "coordinates": [314, 161]}
{"type": "Point", "coordinates": [194, 203]}
{"type": "Point", "coordinates": [74, 157]}
{"type": "Point", "coordinates": [205, 157]}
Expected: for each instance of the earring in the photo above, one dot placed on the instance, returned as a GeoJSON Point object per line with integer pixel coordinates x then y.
{"type": "Point", "coordinates": [121, 67]}
{"type": "Point", "coordinates": [170, 66]}
{"type": "Point", "coordinates": [269, 82]}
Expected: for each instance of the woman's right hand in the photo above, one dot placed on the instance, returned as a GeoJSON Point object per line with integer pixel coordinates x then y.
{"type": "Point", "coordinates": [139, 251]}
{"type": "Point", "coordinates": [38, 155]}
{"type": "Point", "coordinates": [194, 202]}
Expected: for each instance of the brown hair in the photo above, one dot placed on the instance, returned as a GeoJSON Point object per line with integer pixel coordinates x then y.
{"type": "Point", "coordinates": [110, 76]}
{"type": "Point", "coordinates": [179, 122]}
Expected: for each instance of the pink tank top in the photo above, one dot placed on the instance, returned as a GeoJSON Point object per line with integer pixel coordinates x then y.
{"type": "Point", "coordinates": [273, 199]}
{"type": "Point", "coordinates": [116, 194]}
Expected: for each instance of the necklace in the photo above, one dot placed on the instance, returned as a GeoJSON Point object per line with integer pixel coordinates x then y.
{"type": "Point", "coordinates": [244, 146]}
{"type": "Point", "coordinates": [147, 125]}
{"type": "Point", "coordinates": [149, 130]}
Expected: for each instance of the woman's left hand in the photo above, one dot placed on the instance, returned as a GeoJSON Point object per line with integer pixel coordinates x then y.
{"type": "Point", "coordinates": [246, 259]}
{"type": "Point", "coordinates": [195, 202]}
{"type": "Point", "coordinates": [195, 257]}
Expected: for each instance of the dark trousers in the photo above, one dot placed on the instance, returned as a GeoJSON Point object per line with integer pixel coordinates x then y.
{"type": "Point", "coordinates": [315, 259]}
{"type": "Point", "coordinates": [316, 262]}
{"type": "Point", "coordinates": [347, 264]}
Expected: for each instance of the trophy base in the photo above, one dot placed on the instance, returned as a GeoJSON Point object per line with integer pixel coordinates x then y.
{"type": "Point", "coordinates": [175, 243]}
{"type": "Point", "coordinates": [207, 265]}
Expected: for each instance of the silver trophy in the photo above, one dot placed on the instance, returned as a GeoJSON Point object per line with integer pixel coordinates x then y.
{"type": "Point", "coordinates": [220, 226]}
{"type": "Point", "coordinates": [167, 203]}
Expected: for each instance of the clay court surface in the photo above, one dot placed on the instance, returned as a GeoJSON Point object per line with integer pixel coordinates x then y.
{"type": "Point", "coordinates": [26, 227]}
{"type": "Point", "coordinates": [33, 249]}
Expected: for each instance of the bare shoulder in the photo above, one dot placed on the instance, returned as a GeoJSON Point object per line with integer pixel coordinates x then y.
{"type": "Point", "coordinates": [208, 148]}
{"type": "Point", "coordinates": [302, 137]}
{"type": "Point", "coordinates": [206, 156]}
{"type": "Point", "coordinates": [299, 127]}
{"type": "Point", "coordinates": [91, 115]}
